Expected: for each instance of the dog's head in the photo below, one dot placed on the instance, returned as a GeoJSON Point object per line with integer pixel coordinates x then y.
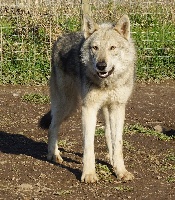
{"type": "Point", "coordinates": [107, 48]}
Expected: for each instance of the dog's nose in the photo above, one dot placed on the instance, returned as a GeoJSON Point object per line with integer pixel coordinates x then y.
{"type": "Point", "coordinates": [101, 66]}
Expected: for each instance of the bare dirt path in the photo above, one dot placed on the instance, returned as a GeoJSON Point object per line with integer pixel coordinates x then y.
{"type": "Point", "coordinates": [26, 174]}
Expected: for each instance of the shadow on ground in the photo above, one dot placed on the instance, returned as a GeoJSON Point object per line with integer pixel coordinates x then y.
{"type": "Point", "coordinates": [169, 133]}
{"type": "Point", "coordinates": [19, 144]}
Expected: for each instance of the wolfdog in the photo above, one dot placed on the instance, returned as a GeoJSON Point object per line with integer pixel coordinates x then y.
{"type": "Point", "coordinates": [96, 66]}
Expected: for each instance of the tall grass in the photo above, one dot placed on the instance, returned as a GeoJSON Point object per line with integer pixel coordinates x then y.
{"type": "Point", "coordinates": [27, 37]}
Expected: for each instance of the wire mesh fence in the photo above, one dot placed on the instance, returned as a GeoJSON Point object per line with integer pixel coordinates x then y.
{"type": "Point", "coordinates": [28, 29]}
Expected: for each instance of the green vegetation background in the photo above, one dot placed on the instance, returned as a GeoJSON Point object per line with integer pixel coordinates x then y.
{"type": "Point", "coordinates": [27, 38]}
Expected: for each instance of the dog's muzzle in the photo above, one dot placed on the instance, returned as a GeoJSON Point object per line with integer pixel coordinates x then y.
{"type": "Point", "coordinates": [101, 72]}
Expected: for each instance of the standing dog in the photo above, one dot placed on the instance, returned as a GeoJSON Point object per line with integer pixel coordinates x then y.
{"type": "Point", "coordinates": [97, 65]}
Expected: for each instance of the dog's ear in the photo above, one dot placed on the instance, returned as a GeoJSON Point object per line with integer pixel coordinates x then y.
{"type": "Point", "coordinates": [89, 26]}
{"type": "Point", "coordinates": [123, 27]}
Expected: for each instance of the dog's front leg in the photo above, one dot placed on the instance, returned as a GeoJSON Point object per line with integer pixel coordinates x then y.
{"type": "Point", "coordinates": [117, 117]}
{"type": "Point", "coordinates": [89, 117]}
{"type": "Point", "coordinates": [108, 133]}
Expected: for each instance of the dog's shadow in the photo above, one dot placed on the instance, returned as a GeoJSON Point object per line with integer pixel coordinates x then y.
{"type": "Point", "coordinates": [20, 144]}
{"type": "Point", "coordinates": [169, 132]}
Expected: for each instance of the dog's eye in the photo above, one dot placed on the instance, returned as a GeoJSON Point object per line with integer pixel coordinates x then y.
{"type": "Point", "coordinates": [95, 48]}
{"type": "Point", "coordinates": [112, 47]}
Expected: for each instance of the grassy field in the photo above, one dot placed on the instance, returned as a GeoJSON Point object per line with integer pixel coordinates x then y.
{"type": "Point", "coordinates": [27, 37]}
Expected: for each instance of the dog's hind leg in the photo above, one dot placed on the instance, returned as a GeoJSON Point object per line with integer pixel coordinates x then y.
{"type": "Point", "coordinates": [53, 152]}
{"type": "Point", "coordinates": [64, 100]}
{"type": "Point", "coordinates": [59, 112]}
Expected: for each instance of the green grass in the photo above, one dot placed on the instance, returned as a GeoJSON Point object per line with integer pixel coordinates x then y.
{"type": "Point", "coordinates": [104, 173]}
{"type": "Point", "coordinates": [138, 129]}
{"type": "Point", "coordinates": [27, 40]}
{"type": "Point", "coordinates": [171, 179]}
{"type": "Point", "coordinates": [99, 132]}
{"type": "Point", "coordinates": [25, 58]}
{"type": "Point", "coordinates": [154, 39]}
{"type": "Point", "coordinates": [62, 143]}
{"type": "Point", "coordinates": [62, 193]}
{"type": "Point", "coordinates": [123, 188]}
{"type": "Point", "coordinates": [36, 98]}
{"type": "Point", "coordinates": [167, 165]}
{"type": "Point", "coordinates": [171, 157]}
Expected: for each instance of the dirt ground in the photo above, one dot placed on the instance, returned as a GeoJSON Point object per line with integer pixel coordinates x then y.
{"type": "Point", "coordinates": [26, 174]}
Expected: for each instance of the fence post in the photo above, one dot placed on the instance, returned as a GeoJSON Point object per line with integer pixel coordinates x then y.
{"type": "Point", "coordinates": [85, 9]}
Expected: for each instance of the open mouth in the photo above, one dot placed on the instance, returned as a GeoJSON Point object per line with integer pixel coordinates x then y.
{"type": "Point", "coordinates": [105, 74]}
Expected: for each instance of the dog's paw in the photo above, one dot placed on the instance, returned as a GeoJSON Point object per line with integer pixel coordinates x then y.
{"type": "Point", "coordinates": [89, 178]}
{"type": "Point", "coordinates": [125, 176]}
{"type": "Point", "coordinates": [55, 158]}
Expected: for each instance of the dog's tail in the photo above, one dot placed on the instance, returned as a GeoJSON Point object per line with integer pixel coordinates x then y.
{"type": "Point", "coordinates": [45, 121]}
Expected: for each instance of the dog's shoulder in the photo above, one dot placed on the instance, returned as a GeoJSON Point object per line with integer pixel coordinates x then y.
{"type": "Point", "coordinates": [66, 52]}
{"type": "Point", "coordinates": [66, 43]}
